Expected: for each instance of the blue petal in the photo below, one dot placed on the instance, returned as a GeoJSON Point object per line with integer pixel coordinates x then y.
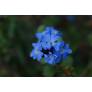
{"type": "Point", "coordinates": [48, 30]}
{"type": "Point", "coordinates": [67, 49]}
{"type": "Point", "coordinates": [32, 54]}
{"type": "Point", "coordinates": [58, 56]}
{"type": "Point", "coordinates": [37, 46]}
{"type": "Point", "coordinates": [65, 55]}
{"type": "Point", "coordinates": [54, 39]}
{"type": "Point", "coordinates": [40, 56]}
{"type": "Point", "coordinates": [36, 54]}
{"type": "Point", "coordinates": [39, 35]}
{"type": "Point", "coordinates": [53, 58]}
{"type": "Point", "coordinates": [50, 59]}
{"type": "Point", "coordinates": [58, 46]}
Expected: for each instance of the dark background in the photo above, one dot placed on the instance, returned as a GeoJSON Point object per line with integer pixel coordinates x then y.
{"type": "Point", "coordinates": [17, 33]}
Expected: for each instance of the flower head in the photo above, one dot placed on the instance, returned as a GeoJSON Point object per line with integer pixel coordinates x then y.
{"type": "Point", "coordinates": [50, 47]}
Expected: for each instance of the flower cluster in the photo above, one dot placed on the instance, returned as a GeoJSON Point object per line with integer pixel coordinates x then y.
{"type": "Point", "coordinates": [50, 46]}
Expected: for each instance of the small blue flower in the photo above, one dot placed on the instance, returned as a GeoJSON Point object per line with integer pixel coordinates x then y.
{"type": "Point", "coordinates": [49, 47]}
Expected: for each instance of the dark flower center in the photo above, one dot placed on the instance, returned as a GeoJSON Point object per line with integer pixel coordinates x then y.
{"type": "Point", "coordinates": [48, 50]}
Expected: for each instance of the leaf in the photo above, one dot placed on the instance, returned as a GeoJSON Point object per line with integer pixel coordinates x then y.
{"type": "Point", "coordinates": [41, 28]}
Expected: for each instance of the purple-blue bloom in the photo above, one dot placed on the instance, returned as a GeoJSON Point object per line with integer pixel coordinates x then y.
{"type": "Point", "coordinates": [50, 47]}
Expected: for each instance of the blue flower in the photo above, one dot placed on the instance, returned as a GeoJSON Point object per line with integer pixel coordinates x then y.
{"type": "Point", "coordinates": [50, 47]}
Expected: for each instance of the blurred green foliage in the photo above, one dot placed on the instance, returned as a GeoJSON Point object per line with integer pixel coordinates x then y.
{"type": "Point", "coordinates": [17, 33]}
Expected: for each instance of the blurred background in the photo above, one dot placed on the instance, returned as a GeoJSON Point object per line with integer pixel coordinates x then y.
{"type": "Point", "coordinates": [17, 33]}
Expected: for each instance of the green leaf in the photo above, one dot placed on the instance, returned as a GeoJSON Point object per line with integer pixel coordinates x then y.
{"type": "Point", "coordinates": [41, 28]}
{"type": "Point", "coordinates": [42, 61]}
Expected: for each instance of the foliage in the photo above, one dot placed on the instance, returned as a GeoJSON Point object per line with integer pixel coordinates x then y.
{"type": "Point", "coordinates": [17, 36]}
